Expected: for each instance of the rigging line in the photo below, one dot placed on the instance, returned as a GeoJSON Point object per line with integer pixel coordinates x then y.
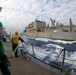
{"type": "Point", "coordinates": [32, 43]}
{"type": "Point", "coordinates": [34, 37]}
{"type": "Point", "coordinates": [26, 11]}
{"type": "Point", "coordinates": [33, 46]}
{"type": "Point", "coordinates": [57, 57]}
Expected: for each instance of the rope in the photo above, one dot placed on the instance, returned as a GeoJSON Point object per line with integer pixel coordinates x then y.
{"type": "Point", "coordinates": [57, 57]}
{"type": "Point", "coordinates": [26, 11]}
{"type": "Point", "coordinates": [15, 49]}
{"type": "Point", "coordinates": [34, 37]}
{"type": "Point", "coordinates": [33, 47]}
{"type": "Point", "coordinates": [12, 54]}
{"type": "Point", "coordinates": [32, 43]}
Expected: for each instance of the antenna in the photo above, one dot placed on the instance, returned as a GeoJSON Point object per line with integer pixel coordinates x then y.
{"type": "Point", "coordinates": [52, 21]}
{"type": "Point", "coordinates": [70, 24]}
{"type": "Point", "coordinates": [36, 17]}
{"type": "Point", "coordinates": [42, 19]}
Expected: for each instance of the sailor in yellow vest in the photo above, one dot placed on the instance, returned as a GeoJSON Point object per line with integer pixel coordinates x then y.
{"type": "Point", "coordinates": [15, 40]}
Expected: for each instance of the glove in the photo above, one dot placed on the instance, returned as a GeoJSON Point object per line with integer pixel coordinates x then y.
{"type": "Point", "coordinates": [10, 56]}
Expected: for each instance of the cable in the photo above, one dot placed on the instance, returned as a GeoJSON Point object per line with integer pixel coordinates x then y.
{"type": "Point", "coordinates": [26, 11]}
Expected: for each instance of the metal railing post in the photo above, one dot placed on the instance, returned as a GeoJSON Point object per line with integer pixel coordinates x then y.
{"type": "Point", "coordinates": [62, 67]}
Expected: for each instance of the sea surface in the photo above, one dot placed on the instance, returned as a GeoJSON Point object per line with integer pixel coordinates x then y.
{"type": "Point", "coordinates": [52, 51]}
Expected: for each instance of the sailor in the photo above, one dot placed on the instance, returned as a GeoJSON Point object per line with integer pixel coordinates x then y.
{"type": "Point", "coordinates": [15, 40]}
{"type": "Point", "coordinates": [4, 62]}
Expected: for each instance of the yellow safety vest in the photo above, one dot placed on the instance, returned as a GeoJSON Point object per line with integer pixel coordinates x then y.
{"type": "Point", "coordinates": [15, 39]}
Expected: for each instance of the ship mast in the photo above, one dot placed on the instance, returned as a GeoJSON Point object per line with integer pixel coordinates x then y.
{"type": "Point", "coordinates": [0, 9]}
{"type": "Point", "coordinates": [70, 24]}
{"type": "Point", "coordinates": [53, 22]}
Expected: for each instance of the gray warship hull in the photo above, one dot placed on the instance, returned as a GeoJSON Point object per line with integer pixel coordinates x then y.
{"type": "Point", "coordinates": [54, 35]}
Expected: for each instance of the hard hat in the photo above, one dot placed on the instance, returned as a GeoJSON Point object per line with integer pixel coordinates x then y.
{"type": "Point", "coordinates": [1, 25]}
{"type": "Point", "coordinates": [16, 32]}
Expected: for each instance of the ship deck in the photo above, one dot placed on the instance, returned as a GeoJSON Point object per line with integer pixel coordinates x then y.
{"type": "Point", "coordinates": [24, 67]}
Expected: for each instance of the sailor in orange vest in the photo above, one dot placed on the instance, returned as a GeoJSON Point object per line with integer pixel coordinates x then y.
{"type": "Point", "coordinates": [15, 40]}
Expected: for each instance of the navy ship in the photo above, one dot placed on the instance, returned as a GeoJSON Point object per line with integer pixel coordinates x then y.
{"type": "Point", "coordinates": [39, 29]}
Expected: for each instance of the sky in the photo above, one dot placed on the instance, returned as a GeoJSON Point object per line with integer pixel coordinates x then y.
{"type": "Point", "coordinates": [17, 14]}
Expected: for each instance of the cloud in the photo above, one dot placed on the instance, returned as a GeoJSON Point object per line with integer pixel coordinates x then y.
{"type": "Point", "coordinates": [17, 14]}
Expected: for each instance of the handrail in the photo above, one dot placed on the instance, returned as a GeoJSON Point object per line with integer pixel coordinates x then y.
{"type": "Point", "coordinates": [63, 59]}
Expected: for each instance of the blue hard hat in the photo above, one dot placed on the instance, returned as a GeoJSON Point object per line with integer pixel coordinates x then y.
{"type": "Point", "coordinates": [1, 25]}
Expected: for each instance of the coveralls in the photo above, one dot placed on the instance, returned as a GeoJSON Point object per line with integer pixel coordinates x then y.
{"type": "Point", "coordinates": [4, 63]}
{"type": "Point", "coordinates": [16, 39]}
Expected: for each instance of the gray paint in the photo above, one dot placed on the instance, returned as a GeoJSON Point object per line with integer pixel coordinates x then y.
{"type": "Point", "coordinates": [54, 35]}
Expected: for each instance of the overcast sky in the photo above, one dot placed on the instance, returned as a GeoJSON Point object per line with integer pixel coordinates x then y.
{"type": "Point", "coordinates": [17, 14]}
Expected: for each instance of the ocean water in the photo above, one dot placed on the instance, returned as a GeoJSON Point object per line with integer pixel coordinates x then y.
{"type": "Point", "coordinates": [50, 51]}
